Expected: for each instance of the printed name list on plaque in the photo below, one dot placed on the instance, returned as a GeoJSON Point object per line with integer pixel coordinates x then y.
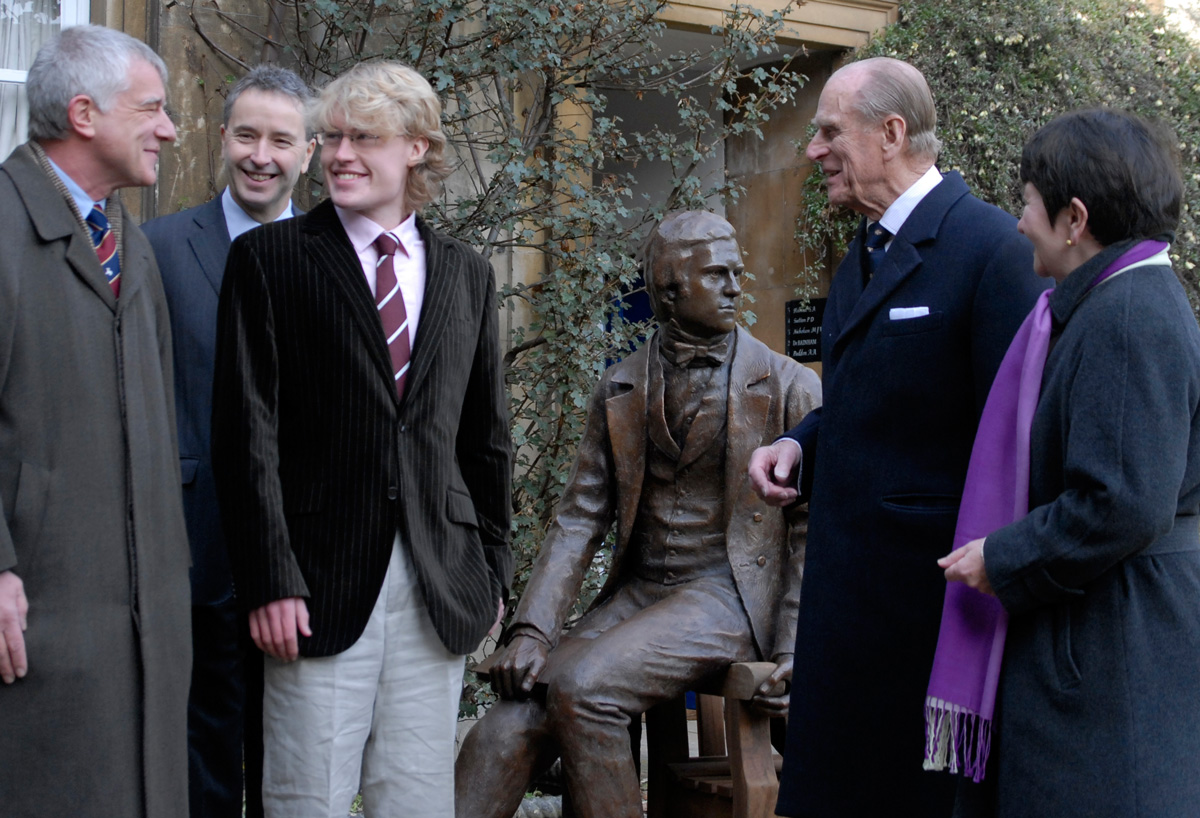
{"type": "Point", "coordinates": [802, 329]}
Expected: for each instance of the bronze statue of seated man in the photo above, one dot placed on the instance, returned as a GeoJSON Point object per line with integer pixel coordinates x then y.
{"type": "Point", "coordinates": [704, 573]}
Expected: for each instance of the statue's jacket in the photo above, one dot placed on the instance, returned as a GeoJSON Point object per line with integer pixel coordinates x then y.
{"type": "Point", "coordinates": [768, 394]}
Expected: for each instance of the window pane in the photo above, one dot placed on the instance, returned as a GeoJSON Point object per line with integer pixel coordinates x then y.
{"type": "Point", "coordinates": [24, 26]}
{"type": "Point", "coordinates": [14, 117]}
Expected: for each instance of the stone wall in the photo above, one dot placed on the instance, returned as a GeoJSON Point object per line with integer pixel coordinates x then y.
{"type": "Point", "coordinates": [200, 75]}
{"type": "Point", "coordinates": [773, 171]}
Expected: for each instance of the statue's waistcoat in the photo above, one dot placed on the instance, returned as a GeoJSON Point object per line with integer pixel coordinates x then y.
{"type": "Point", "coordinates": [679, 532]}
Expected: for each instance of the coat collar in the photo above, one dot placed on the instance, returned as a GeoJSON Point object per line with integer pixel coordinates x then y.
{"type": "Point", "coordinates": [902, 260]}
{"type": "Point", "coordinates": [1071, 292]}
{"type": "Point", "coordinates": [211, 244]}
{"type": "Point", "coordinates": [54, 219]}
{"type": "Point", "coordinates": [327, 242]}
{"type": "Point", "coordinates": [443, 272]}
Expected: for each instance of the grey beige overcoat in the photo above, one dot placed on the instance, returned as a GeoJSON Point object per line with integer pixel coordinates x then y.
{"type": "Point", "coordinates": [92, 519]}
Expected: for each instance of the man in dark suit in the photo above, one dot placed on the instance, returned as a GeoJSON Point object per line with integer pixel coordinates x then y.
{"type": "Point", "coordinates": [94, 648]}
{"type": "Point", "coordinates": [362, 456]}
{"type": "Point", "coordinates": [704, 572]}
{"type": "Point", "coordinates": [919, 316]}
{"type": "Point", "coordinates": [265, 146]}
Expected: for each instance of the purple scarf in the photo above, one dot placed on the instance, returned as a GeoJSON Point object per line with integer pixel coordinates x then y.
{"type": "Point", "coordinates": [961, 699]}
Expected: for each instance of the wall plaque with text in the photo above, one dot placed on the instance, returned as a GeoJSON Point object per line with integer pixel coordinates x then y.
{"type": "Point", "coordinates": [802, 329]}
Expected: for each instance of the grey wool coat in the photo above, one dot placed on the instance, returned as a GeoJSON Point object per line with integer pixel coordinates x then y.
{"type": "Point", "coordinates": [92, 519]}
{"type": "Point", "coordinates": [1099, 702]}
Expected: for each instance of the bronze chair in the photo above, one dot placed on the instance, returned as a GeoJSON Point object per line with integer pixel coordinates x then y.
{"type": "Point", "coordinates": [734, 774]}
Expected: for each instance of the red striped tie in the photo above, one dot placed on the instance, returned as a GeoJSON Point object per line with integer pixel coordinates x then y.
{"type": "Point", "coordinates": [390, 303]}
{"type": "Point", "coordinates": [106, 247]}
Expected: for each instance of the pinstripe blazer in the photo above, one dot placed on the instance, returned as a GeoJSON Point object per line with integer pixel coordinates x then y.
{"type": "Point", "coordinates": [318, 464]}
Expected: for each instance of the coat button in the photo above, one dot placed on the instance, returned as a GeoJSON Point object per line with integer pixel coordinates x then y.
{"type": "Point", "coordinates": [757, 517]}
{"type": "Point", "coordinates": [762, 561]}
{"type": "Point", "coordinates": [392, 493]}
{"type": "Point", "coordinates": [403, 427]}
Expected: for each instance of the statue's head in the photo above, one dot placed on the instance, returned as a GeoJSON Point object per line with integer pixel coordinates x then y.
{"type": "Point", "coordinates": [693, 273]}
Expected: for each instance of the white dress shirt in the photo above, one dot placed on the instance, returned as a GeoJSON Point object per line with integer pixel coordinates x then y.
{"type": "Point", "coordinates": [238, 221]}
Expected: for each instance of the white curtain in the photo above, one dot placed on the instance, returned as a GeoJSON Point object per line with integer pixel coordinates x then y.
{"type": "Point", "coordinates": [24, 26]}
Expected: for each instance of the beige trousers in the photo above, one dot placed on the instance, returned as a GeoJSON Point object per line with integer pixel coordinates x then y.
{"type": "Point", "coordinates": [380, 716]}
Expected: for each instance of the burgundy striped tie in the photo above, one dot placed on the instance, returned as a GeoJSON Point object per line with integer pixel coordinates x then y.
{"type": "Point", "coordinates": [106, 247]}
{"type": "Point", "coordinates": [390, 303]}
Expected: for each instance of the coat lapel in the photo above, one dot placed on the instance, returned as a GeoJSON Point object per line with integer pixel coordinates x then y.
{"type": "Point", "coordinates": [137, 259]}
{"type": "Point", "coordinates": [210, 242]}
{"type": "Point", "coordinates": [902, 260]}
{"type": "Point", "coordinates": [626, 412]}
{"type": "Point", "coordinates": [847, 284]}
{"type": "Point", "coordinates": [749, 407]}
{"type": "Point", "coordinates": [54, 220]}
{"type": "Point", "coordinates": [443, 270]}
{"type": "Point", "coordinates": [656, 414]}
{"type": "Point", "coordinates": [331, 252]}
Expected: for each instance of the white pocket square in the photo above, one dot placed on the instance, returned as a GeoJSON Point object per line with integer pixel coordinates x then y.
{"type": "Point", "coordinates": [903, 313]}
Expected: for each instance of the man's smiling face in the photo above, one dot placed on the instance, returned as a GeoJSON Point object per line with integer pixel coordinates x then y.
{"type": "Point", "coordinates": [265, 151]}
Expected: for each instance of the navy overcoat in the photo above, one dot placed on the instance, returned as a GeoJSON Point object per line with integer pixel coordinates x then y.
{"type": "Point", "coordinates": [884, 463]}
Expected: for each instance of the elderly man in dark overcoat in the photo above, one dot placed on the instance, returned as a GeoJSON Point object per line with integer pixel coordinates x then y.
{"type": "Point", "coordinates": [920, 313]}
{"type": "Point", "coordinates": [704, 572]}
{"type": "Point", "coordinates": [94, 598]}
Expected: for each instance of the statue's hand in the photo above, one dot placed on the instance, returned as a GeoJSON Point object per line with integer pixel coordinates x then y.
{"type": "Point", "coordinates": [520, 664]}
{"type": "Point", "coordinates": [772, 696]}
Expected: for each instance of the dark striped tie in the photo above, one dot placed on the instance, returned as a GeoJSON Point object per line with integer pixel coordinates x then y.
{"type": "Point", "coordinates": [106, 247]}
{"type": "Point", "coordinates": [876, 241]}
{"type": "Point", "coordinates": [390, 303]}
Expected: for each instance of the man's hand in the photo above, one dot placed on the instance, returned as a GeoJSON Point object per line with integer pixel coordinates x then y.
{"type": "Point", "coordinates": [771, 698]}
{"type": "Point", "coordinates": [14, 608]}
{"type": "Point", "coordinates": [966, 565]}
{"type": "Point", "coordinates": [273, 627]}
{"type": "Point", "coordinates": [774, 471]}
{"type": "Point", "coordinates": [520, 664]}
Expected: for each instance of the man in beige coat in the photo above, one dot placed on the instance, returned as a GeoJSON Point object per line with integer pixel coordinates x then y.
{"type": "Point", "coordinates": [704, 573]}
{"type": "Point", "coordinates": [94, 648]}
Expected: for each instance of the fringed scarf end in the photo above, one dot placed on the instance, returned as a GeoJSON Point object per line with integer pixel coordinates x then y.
{"type": "Point", "coordinates": [956, 739]}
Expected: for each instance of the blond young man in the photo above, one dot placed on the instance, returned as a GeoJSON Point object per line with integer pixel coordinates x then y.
{"type": "Point", "coordinates": [361, 450]}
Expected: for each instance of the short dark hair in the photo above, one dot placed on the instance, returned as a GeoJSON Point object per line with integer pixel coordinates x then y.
{"type": "Point", "coordinates": [1123, 168]}
{"type": "Point", "coordinates": [269, 78]}
{"type": "Point", "coordinates": [671, 245]}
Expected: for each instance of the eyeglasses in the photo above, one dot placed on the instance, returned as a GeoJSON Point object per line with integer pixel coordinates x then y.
{"type": "Point", "coordinates": [359, 141]}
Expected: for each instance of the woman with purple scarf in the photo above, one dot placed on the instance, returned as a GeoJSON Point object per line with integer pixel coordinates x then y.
{"type": "Point", "coordinates": [1067, 675]}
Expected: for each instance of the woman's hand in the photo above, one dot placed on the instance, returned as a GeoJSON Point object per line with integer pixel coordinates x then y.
{"type": "Point", "coordinates": [966, 565]}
